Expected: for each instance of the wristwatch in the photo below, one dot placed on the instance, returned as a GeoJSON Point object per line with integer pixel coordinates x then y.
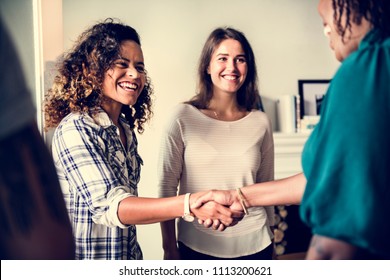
{"type": "Point", "coordinates": [187, 213]}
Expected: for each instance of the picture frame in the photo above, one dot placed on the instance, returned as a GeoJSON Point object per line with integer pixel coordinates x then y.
{"type": "Point", "coordinates": [311, 93]}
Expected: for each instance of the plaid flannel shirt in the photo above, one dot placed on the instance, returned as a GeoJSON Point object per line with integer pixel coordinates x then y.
{"type": "Point", "coordinates": [96, 172]}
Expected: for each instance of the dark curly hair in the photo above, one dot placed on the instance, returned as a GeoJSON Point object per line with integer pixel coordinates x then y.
{"type": "Point", "coordinates": [248, 95]}
{"type": "Point", "coordinates": [78, 85]}
{"type": "Point", "coordinates": [377, 12]}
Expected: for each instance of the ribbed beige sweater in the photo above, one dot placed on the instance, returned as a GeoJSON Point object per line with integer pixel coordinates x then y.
{"type": "Point", "coordinates": [200, 153]}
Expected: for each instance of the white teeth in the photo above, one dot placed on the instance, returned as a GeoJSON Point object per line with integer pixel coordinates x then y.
{"type": "Point", "coordinates": [230, 78]}
{"type": "Point", "coordinates": [128, 85]}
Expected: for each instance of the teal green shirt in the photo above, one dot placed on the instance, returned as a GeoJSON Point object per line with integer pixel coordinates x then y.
{"type": "Point", "coordinates": [346, 159]}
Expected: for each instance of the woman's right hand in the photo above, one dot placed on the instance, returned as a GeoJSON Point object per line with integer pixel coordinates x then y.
{"type": "Point", "coordinates": [221, 209]}
{"type": "Point", "coordinates": [227, 198]}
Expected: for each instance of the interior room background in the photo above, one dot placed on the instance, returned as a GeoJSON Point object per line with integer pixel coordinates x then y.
{"type": "Point", "coordinates": [286, 36]}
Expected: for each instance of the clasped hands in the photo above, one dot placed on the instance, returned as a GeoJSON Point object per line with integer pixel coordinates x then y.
{"type": "Point", "coordinates": [217, 209]}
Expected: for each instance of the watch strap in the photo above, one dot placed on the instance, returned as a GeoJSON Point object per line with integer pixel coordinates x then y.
{"type": "Point", "coordinates": [187, 216]}
{"type": "Point", "coordinates": [187, 204]}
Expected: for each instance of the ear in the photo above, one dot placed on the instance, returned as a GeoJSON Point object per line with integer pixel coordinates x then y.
{"type": "Point", "coordinates": [208, 70]}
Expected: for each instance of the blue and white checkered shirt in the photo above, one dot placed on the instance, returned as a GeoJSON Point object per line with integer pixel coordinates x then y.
{"type": "Point", "coordinates": [96, 173]}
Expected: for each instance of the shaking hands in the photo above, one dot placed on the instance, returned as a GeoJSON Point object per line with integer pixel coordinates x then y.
{"type": "Point", "coordinates": [219, 209]}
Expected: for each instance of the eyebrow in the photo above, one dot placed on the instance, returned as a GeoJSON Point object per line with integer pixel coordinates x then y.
{"type": "Point", "coordinates": [225, 54]}
{"type": "Point", "coordinates": [128, 60]}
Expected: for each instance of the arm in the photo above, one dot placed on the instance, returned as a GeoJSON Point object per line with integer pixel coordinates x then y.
{"type": "Point", "coordinates": [168, 234]}
{"type": "Point", "coordinates": [266, 170]}
{"type": "Point", "coordinates": [141, 210]}
{"type": "Point", "coordinates": [279, 192]}
{"type": "Point", "coordinates": [170, 165]}
{"type": "Point", "coordinates": [169, 242]}
{"type": "Point", "coordinates": [96, 180]}
{"type": "Point", "coordinates": [325, 248]}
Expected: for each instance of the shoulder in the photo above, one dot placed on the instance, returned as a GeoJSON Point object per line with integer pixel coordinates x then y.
{"type": "Point", "coordinates": [75, 119]}
{"type": "Point", "coordinates": [362, 72]}
{"type": "Point", "coordinates": [182, 111]}
{"type": "Point", "coordinates": [180, 116]}
{"type": "Point", "coordinates": [259, 114]}
{"type": "Point", "coordinates": [76, 124]}
{"type": "Point", "coordinates": [261, 118]}
{"type": "Point", "coordinates": [371, 57]}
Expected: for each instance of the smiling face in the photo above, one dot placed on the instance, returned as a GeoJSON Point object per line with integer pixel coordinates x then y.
{"type": "Point", "coordinates": [228, 67]}
{"type": "Point", "coordinates": [125, 80]}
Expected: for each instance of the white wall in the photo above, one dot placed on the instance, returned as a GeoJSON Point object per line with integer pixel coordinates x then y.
{"type": "Point", "coordinates": [286, 37]}
{"type": "Point", "coordinates": [18, 17]}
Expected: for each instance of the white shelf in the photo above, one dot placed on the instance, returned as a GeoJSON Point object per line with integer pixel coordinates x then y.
{"type": "Point", "coordinates": [288, 150]}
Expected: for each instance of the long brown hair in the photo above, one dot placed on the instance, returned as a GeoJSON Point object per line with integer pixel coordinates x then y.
{"type": "Point", "coordinates": [248, 95]}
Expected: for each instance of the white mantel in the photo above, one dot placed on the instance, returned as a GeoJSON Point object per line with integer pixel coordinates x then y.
{"type": "Point", "coordinates": [288, 149]}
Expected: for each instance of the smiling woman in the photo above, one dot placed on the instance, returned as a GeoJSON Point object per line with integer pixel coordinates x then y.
{"type": "Point", "coordinates": [89, 74]}
{"type": "Point", "coordinates": [101, 95]}
{"type": "Point", "coordinates": [221, 139]}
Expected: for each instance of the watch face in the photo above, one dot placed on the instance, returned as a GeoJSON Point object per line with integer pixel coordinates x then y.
{"type": "Point", "coordinates": [188, 218]}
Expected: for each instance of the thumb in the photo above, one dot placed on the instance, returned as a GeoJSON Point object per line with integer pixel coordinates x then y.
{"type": "Point", "coordinates": [202, 200]}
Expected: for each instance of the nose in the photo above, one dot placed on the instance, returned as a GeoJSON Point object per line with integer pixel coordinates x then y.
{"type": "Point", "coordinates": [231, 64]}
{"type": "Point", "coordinates": [132, 72]}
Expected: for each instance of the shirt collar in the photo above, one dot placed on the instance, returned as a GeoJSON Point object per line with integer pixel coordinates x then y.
{"type": "Point", "coordinates": [372, 37]}
{"type": "Point", "coordinates": [102, 118]}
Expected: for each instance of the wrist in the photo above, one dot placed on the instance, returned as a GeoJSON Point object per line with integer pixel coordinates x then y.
{"type": "Point", "coordinates": [242, 200]}
{"type": "Point", "coordinates": [187, 215]}
{"type": "Point", "coordinates": [245, 191]}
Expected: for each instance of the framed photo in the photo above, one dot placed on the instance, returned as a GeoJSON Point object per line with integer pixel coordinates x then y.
{"type": "Point", "coordinates": [311, 93]}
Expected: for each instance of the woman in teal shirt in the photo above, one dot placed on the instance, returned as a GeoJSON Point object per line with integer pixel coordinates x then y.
{"type": "Point", "coordinates": [345, 190]}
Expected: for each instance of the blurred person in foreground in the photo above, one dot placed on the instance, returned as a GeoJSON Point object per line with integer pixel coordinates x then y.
{"type": "Point", "coordinates": [33, 220]}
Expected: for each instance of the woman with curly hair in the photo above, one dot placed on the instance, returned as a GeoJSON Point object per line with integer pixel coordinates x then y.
{"type": "Point", "coordinates": [100, 96]}
{"type": "Point", "coordinates": [344, 190]}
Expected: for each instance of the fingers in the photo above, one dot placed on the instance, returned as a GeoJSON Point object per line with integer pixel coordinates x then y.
{"type": "Point", "coordinates": [238, 214]}
{"type": "Point", "coordinates": [202, 200]}
{"type": "Point", "coordinates": [228, 216]}
{"type": "Point", "coordinates": [221, 227]}
{"type": "Point", "coordinates": [216, 216]}
{"type": "Point", "coordinates": [223, 212]}
{"type": "Point", "coordinates": [208, 223]}
{"type": "Point", "coordinates": [214, 224]}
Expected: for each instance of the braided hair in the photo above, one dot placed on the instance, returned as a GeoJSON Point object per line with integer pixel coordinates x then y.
{"type": "Point", "coordinates": [377, 12]}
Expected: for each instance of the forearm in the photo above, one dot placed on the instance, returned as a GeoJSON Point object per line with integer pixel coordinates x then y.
{"type": "Point", "coordinates": [279, 192]}
{"type": "Point", "coordinates": [140, 210]}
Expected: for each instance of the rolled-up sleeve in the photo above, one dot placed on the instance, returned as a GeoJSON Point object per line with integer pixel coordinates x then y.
{"type": "Point", "coordinates": [80, 152]}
